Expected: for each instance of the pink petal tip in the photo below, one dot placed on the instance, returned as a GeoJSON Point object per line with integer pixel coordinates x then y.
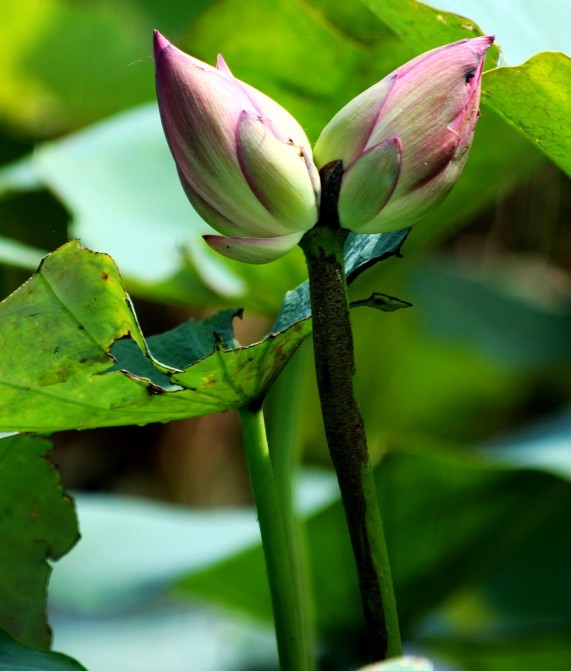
{"type": "Point", "coordinates": [222, 65]}
{"type": "Point", "coordinates": [159, 43]}
{"type": "Point", "coordinates": [482, 44]}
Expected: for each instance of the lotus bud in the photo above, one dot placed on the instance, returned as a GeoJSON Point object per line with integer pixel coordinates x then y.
{"type": "Point", "coordinates": [404, 141]}
{"type": "Point", "coordinates": [244, 162]}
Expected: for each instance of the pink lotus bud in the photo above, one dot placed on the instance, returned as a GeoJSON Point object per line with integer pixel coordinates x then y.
{"type": "Point", "coordinates": [244, 162]}
{"type": "Point", "coordinates": [404, 141]}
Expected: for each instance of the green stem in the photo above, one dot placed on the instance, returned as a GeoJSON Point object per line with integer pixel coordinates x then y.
{"type": "Point", "coordinates": [285, 455]}
{"type": "Point", "coordinates": [290, 635]}
{"type": "Point", "coordinates": [344, 428]}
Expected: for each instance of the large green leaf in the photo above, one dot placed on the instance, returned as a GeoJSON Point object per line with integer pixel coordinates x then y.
{"type": "Point", "coordinates": [56, 371]}
{"type": "Point", "coordinates": [536, 98]}
{"type": "Point", "coordinates": [37, 524]}
{"type": "Point", "coordinates": [17, 657]}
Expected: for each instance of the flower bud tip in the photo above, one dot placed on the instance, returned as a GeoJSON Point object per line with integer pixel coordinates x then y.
{"type": "Point", "coordinates": [159, 43]}
{"type": "Point", "coordinates": [481, 44]}
{"type": "Point", "coordinates": [222, 65]}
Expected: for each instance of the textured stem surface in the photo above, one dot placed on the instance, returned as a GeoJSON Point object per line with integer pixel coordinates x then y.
{"type": "Point", "coordinates": [344, 428]}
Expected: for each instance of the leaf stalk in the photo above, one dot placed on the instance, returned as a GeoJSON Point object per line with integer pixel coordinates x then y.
{"type": "Point", "coordinates": [294, 644]}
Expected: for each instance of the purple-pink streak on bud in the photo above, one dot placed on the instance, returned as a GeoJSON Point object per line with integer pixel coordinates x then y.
{"type": "Point", "coordinates": [430, 105]}
{"type": "Point", "coordinates": [244, 161]}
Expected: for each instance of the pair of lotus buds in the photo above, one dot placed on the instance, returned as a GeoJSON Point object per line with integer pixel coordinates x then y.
{"type": "Point", "coordinates": [247, 167]}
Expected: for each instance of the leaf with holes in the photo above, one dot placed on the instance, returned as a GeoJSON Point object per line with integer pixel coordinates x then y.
{"type": "Point", "coordinates": [57, 369]}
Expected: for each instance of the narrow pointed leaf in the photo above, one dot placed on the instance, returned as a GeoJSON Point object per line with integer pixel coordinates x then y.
{"type": "Point", "coordinates": [381, 302]}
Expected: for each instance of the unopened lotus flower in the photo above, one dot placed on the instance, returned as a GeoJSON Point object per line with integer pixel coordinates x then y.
{"type": "Point", "coordinates": [404, 141]}
{"type": "Point", "coordinates": [244, 162]}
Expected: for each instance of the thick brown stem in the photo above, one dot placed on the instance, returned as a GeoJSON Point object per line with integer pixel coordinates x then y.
{"type": "Point", "coordinates": [344, 428]}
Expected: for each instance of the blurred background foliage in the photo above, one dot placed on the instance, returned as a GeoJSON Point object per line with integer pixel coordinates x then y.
{"type": "Point", "coordinates": [477, 503]}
